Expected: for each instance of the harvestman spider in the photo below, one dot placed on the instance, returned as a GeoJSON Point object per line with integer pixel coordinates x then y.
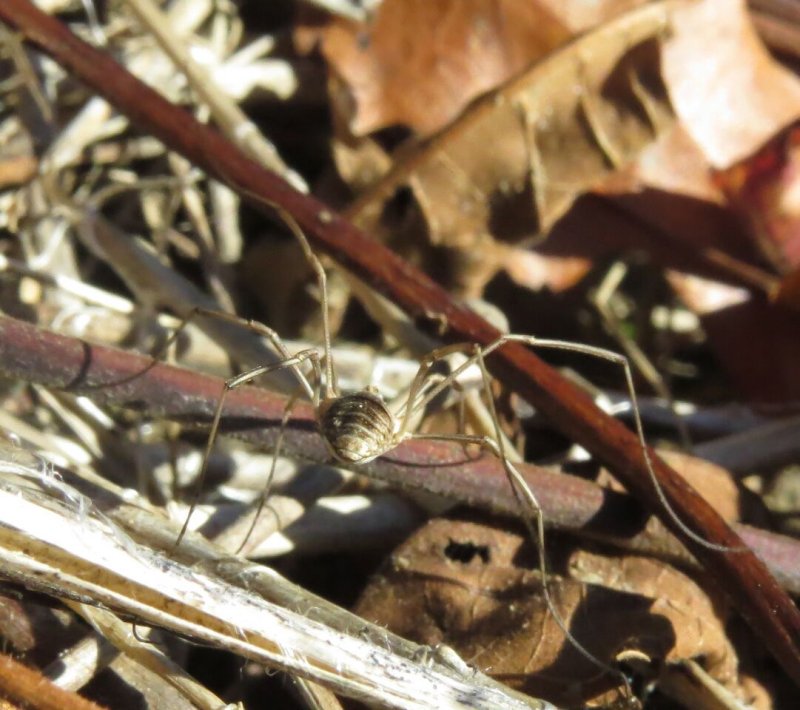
{"type": "Point", "coordinates": [360, 426]}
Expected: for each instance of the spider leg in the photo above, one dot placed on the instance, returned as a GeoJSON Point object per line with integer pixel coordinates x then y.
{"type": "Point", "coordinates": [532, 341]}
{"type": "Point", "coordinates": [330, 387]}
{"type": "Point", "coordinates": [230, 384]}
{"type": "Point", "coordinates": [249, 324]}
{"type": "Point", "coordinates": [622, 361]}
{"type": "Point", "coordinates": [530, 508]}
{"type": "Point", "coordinates": [416, 398]}
{"type": "Point", "coordinates": [265, 493]}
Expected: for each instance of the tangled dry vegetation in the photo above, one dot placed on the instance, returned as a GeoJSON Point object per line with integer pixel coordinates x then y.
{"type": "Point", "coordinates": [617, 174]}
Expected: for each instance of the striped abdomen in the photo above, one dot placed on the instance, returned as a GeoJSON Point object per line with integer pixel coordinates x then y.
{"type": "Point", "coordinates": [357, 427]}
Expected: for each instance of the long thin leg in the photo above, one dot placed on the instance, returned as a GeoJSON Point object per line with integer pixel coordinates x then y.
{"type": "Point", "coordinates": [329, 388]}
{"type": "Point", "coordinates": [602, 301]}
{"type": "Point", "coordinates": [532, 514]}
{"type": "Point", "coordinates": [418, 398]}
{"type": "Point", "coordinates": [265, 493]}
{"type": "Point", "coordinates": [233, 383]}
{"type": "Point", "coordinates": [622, 361]}
{"type": "Point", "coordinates": [249, 324]}
{"type": "Point", "coordinates": [415, 403]}
{"type": "Point", "coordinates": [277, 343]}
{"type": "Point", "coordinates": [468, 399]}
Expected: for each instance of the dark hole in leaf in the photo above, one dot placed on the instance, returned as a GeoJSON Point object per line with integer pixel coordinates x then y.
{"type": "Point", "coordinates": [465, 552]}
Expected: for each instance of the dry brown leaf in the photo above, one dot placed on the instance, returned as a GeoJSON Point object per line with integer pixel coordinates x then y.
{"type": "Point", "coordinates": [726, 89]}
{"type": "Point", "coordinates": [471, 587]}
{"type": "Point", "coordinates": [592, 117]}
{"type": "Point", "coordinates": [580, 15]}
{"type": "Point", "coordinates": [715, 483]}
{"type": "Point", "coordinates": [673, 164]}
{"type": "Point", "coordinates": [515, 162]}
{"type": "Point", "coordinates": [696, 619]}
{"type": "Point", "coordinates": [667, 204]}
{"type": "Point", "coordinates": [765, 190]}
{"type": "Point", "coordinates": [709, 58]}
{"type": "Point", "coordinates": [673, 210]}
{"type": "Point", "coordinates": [418, 63]}
{"type": "Point", "coordinates": [535, 271]}
{"type": "Point", "coordinates": [664, 204]}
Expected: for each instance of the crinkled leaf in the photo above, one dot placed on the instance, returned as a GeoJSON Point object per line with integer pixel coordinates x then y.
{"type": "Point", "coordinates": [727, 90]}
{"type": "Point", "coordinates": [418, 63]}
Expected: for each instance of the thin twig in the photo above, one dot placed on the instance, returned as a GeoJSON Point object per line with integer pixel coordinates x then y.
{"type": "Point", "coordinates": [233, 121]}
{"type": "Point", "coordinates": [28, 687]}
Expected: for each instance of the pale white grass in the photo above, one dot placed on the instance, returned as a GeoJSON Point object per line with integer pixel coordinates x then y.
{"type": "Point", "coordinates": [54, 539]}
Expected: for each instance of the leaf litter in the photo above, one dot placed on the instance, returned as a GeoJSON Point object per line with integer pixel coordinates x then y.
{"type": "Point", "coordinates": [665, 131]}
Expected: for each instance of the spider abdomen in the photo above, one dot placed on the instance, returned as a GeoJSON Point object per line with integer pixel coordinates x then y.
{"type": "Point", "coordinates": [357, 427]}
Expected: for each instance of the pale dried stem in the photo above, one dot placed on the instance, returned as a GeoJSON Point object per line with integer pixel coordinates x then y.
{"type": "Point", "coordinates": [54, 540]}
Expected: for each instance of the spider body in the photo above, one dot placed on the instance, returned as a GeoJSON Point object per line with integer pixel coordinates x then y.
{"type": "Point", "coordinates": [357, 427]}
